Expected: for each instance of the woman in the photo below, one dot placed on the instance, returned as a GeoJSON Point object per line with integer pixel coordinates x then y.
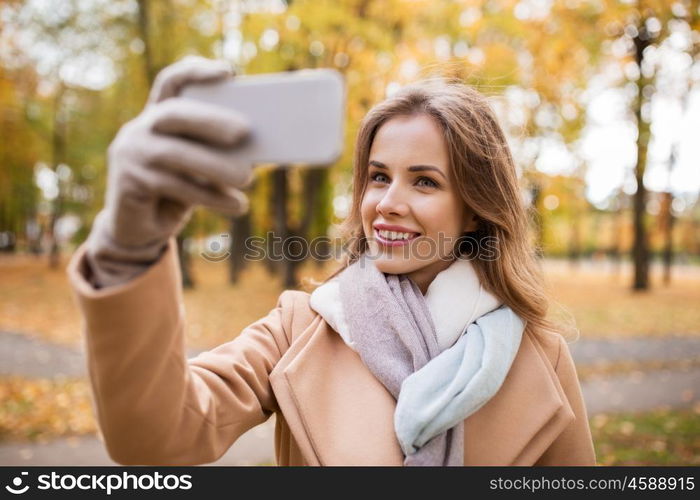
{"type": "Point", "coordinates": [428, 347]}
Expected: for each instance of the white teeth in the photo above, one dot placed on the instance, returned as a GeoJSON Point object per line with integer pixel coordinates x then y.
{"type": "Point", "coordinates": [393, 235]}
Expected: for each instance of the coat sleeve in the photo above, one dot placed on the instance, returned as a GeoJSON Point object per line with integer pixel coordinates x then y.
{"type": "Point", "coordinates": [155, 407]}
{"type": "Point", "coordinates": [574, 446]}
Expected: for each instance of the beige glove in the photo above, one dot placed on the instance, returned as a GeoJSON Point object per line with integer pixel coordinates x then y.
{"type": "Point", "coordinates": [168, 159]}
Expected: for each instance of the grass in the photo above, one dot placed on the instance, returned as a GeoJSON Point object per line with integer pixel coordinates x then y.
{"type": "Point", "coordinates": [660, 437]}
{"type": "Point", "coordinates": [39, 302]}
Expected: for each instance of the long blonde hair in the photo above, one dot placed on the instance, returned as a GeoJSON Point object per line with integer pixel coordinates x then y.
{"type": "Point", "coordinates": [484, 172]}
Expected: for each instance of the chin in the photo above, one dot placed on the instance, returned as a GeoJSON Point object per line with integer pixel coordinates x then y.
{"type": "Point", "coordinates": [395, 266]}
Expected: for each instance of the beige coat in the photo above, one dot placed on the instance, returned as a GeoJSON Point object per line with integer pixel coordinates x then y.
{"type": "Point", "coordinates": [154, 407]}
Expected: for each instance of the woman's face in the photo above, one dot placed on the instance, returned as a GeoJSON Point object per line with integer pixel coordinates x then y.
{"type": "Point", "coordinates": [409, 187]}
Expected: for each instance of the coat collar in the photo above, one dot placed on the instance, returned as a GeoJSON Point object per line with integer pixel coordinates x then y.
{"type": "Point", "coordinates": [340, 414]}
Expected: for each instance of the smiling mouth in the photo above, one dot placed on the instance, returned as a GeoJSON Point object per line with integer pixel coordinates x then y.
{"type": "Point", "coordinates": [396, 242]}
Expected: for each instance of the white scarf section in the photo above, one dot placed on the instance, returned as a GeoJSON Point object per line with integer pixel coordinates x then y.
{"type": "Point", "coordinates": [455, 299]}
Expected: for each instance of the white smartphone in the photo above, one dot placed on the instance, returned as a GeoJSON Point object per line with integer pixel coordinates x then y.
{"type": "Point", "coordinates": [296, 117]}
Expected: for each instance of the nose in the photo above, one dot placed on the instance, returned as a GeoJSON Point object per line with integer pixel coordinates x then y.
{"type": "Point", "coordinates": [393, 202]}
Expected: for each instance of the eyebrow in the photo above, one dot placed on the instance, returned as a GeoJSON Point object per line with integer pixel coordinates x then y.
{"type": "Point", "coordinates": [412, 168]}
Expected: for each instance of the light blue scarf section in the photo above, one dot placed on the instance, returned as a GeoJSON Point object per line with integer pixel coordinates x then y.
{"type": "Point", "coordinates": [458, 381]}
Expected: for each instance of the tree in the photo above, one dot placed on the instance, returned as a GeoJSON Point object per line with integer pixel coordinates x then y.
{"type": "Point", "coordinates": [20, 149]}
{"type": "Point", "coordinates": [61, 40]}
{"type": "Point", "coordinates": [643, 26]}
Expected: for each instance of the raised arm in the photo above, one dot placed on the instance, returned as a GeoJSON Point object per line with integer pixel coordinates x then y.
{"type": "Point", "coordinates": [154, 407]}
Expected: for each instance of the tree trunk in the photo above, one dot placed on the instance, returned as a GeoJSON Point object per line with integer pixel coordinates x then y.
{"type": "Point", "coordinates": [575, 236]}
{"type": "Point", "coordinates": [640, 248]}
{"type": "Point", "coordinates": [185, 262]}
{"type": "Point", "coordinates": [144, 31]}
{"type": "Point", "coordinates": [575, 241]}
{"type": "Point", "coordinates": [618, 223]}
{"type": "Point", "coordinates": [668, 221]}
{"type": "Point", "coordinates": [58, 153]}
{"type": "Point", "coordinates": [241, 229]}
{"type": "Point", "coordinates": [240, 232]}
{"type": "Point", "coordinates": [322, 249]}
{"type": "Point", "coordinates": [313, 184]}
{"type": "Point", "coordinates": [292, 243]}
{"type": "Point", "coordinates": [281, 229]}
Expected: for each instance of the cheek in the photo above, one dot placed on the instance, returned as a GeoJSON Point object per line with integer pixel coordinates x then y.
{"type": "Point", "coordinates": [438, 214]}
{"type": "Point", "coordinates": [368, 206]}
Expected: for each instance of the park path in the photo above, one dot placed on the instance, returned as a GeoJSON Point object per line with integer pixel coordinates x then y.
{"type": "Point", "coordinates": [634, 391]}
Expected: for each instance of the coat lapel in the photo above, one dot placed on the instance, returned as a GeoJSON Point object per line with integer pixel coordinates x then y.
{"type": "Point", "coordinates": [524, 417]}
{"type": "Point", "coordinates": [345, 413]}
{"type": "Point", "coordinates": [340, 414]}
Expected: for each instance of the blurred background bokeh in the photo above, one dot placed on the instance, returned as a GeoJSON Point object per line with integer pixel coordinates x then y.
{"type": "Point", "coordinates": [601, 104]}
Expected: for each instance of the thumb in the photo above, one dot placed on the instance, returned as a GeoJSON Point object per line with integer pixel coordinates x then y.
{"type": "Point", "coordinates": [191, 69]}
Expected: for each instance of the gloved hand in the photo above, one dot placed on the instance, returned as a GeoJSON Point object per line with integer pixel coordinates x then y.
{"type": "Point", "coordinates": [161, 164]}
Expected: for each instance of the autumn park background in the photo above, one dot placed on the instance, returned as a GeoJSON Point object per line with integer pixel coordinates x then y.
{"type": "Point", "coordinates": [601, 104]}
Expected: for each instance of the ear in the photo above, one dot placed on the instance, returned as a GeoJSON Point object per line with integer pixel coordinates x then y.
{"type": "Point", "coordinates": [472, 222]}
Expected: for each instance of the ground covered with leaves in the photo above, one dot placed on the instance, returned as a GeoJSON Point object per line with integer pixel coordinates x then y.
{"type": "Point", "coordinates": [43, 409]}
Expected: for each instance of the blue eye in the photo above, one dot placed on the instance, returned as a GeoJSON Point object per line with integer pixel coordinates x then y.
{"type": "Point", "coordinates": [374, 176]}
{"type": "Point", "coordinates": [432, 182]}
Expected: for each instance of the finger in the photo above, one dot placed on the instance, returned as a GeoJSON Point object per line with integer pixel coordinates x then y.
{"type": "Point", "coordinates": [197, 161]}
{"type": "Point", "coordinates": [188, 70]}
{"type": "Point", "coordinates": [174, 187]}
{"type": "Point", "coordinates": [200, 121]}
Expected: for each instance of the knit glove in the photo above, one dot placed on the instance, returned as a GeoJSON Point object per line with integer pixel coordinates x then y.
{"type": "Point", "coordinates": [171, 157]}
